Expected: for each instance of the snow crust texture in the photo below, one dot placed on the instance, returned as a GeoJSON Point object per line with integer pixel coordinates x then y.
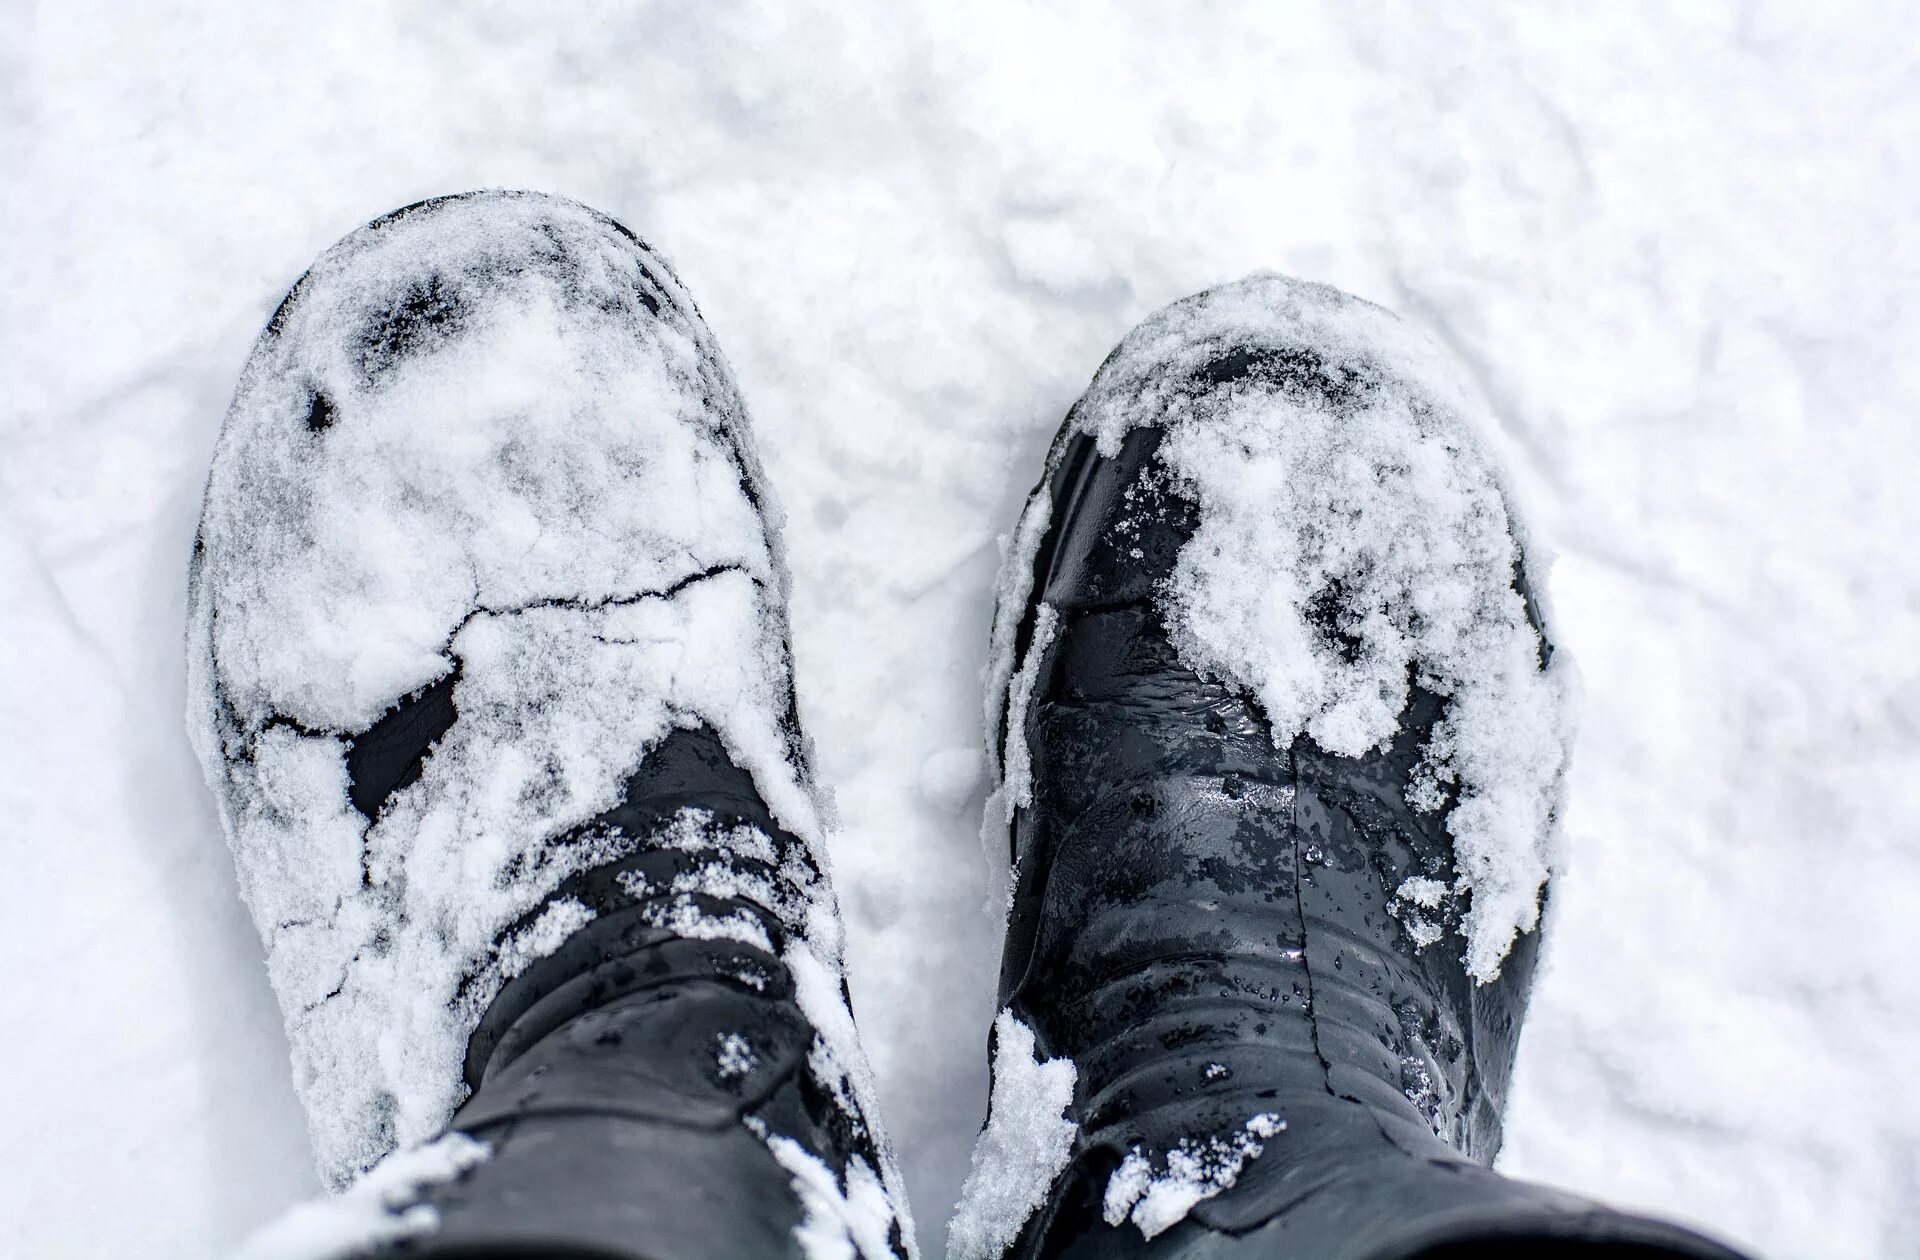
{"type": "Point", "coordinates": [486, 440]}
{"type": "Point", "coordinates": [1021, 1151]}
{"type": "Point", "coordinates": [1354, 540]}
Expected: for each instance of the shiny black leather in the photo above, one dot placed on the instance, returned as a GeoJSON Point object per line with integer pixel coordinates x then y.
{"type": "Point", "coordinates": [1202, 922]}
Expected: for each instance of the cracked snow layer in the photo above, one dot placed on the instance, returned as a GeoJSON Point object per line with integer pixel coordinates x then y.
{"type": "Point", "coordinates": [483, 440]}
{"type": "Point", "coordinates": [1021, 1151]}
{"type": "Point", "coordinates": [1355, 539]}
{"type": "Point", "coordinates": [1157, 1192]}
{"type": "Point", "coordinates": [380, 1209]}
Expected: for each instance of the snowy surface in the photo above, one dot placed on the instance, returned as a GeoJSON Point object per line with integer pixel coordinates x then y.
{"type": "Point", "coordinates": [1672, 247]}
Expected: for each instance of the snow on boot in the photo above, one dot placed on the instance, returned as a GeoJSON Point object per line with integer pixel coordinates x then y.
{"type": "Point", "coordinates": [489, 674]}
{"type": "Point", "coordinates": [1282, 743]}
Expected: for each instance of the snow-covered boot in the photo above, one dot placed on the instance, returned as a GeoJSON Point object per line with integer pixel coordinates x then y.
{"type": "Point", "coordinates": [489, 673]}
{"type": "Point", "coordinates": [1283, 742]}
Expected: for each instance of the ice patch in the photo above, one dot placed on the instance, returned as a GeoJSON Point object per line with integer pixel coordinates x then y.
{"type": "Point", "coordinates": [379, 1209]}
{"type": "Point", "coordinates": [1022, 1150]}
{"type": "Point", "coordinates": [1156, 1194]}
{"type": "Point", "coordinates": [1354, 539]}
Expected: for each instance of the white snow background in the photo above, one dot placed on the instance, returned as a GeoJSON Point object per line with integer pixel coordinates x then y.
{"type": "Point", "coordinates": [1673, 243]}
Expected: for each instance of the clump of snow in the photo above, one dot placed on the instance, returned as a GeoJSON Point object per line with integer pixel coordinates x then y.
{"type": "Point", "coordinates": [380, 1209]}
{"type": "Point", "coordinates": [1023, 1148]}
{"type": "Point", "coordinates": [1354, 539]}
{"type": "Point", "coordinates": [1014, 589]}
{"type": "Point", "coordinates": [561, 919]}
{"type": "Point", "coordinates": [996, 843]}
{"type": "Point", "coordinates": [1426, 893]}
{"type": "Point", "coordinates": [841, 1220]}
{"type": "Point", "coordinates": [734, 1057]}
{"type": "Point", "coordinates": [1423, 930]}
{"type": "Point", "coordinates": [490, 436]}
{"type": "Point", "coordinates": [1414, 895]}
{"type": "Point", "coordinates": [839, 1066]}
{"type": "Point", "coordinates": [1157, 1193]}
{"type": "Point", "coordinates": [1017, 775]}
{"type": "Point", "coordinates": [791, 895]}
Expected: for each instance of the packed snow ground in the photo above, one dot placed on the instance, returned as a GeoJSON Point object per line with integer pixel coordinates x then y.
{"type": "Point", "coordinates": [1673, 249]}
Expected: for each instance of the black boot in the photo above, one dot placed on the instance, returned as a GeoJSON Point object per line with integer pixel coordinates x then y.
{"type": "Point", "coordinates": [1260, 956]}
{"type": "Point", "coordinates": [490, 676]}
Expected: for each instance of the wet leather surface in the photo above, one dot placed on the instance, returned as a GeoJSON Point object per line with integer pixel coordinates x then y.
{"type": "Point", "coordinates": [1204, 923]}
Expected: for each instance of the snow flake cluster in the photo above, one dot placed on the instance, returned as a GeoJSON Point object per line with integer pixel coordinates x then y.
{"type": "Point", "coordinates": [1156, 1193]}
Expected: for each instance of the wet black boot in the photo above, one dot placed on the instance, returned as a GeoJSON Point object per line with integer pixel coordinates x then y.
{"type": "Point", "coordinates": [1289, 1035]}
{"type": "Point", "coordinates": [489, 674]}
